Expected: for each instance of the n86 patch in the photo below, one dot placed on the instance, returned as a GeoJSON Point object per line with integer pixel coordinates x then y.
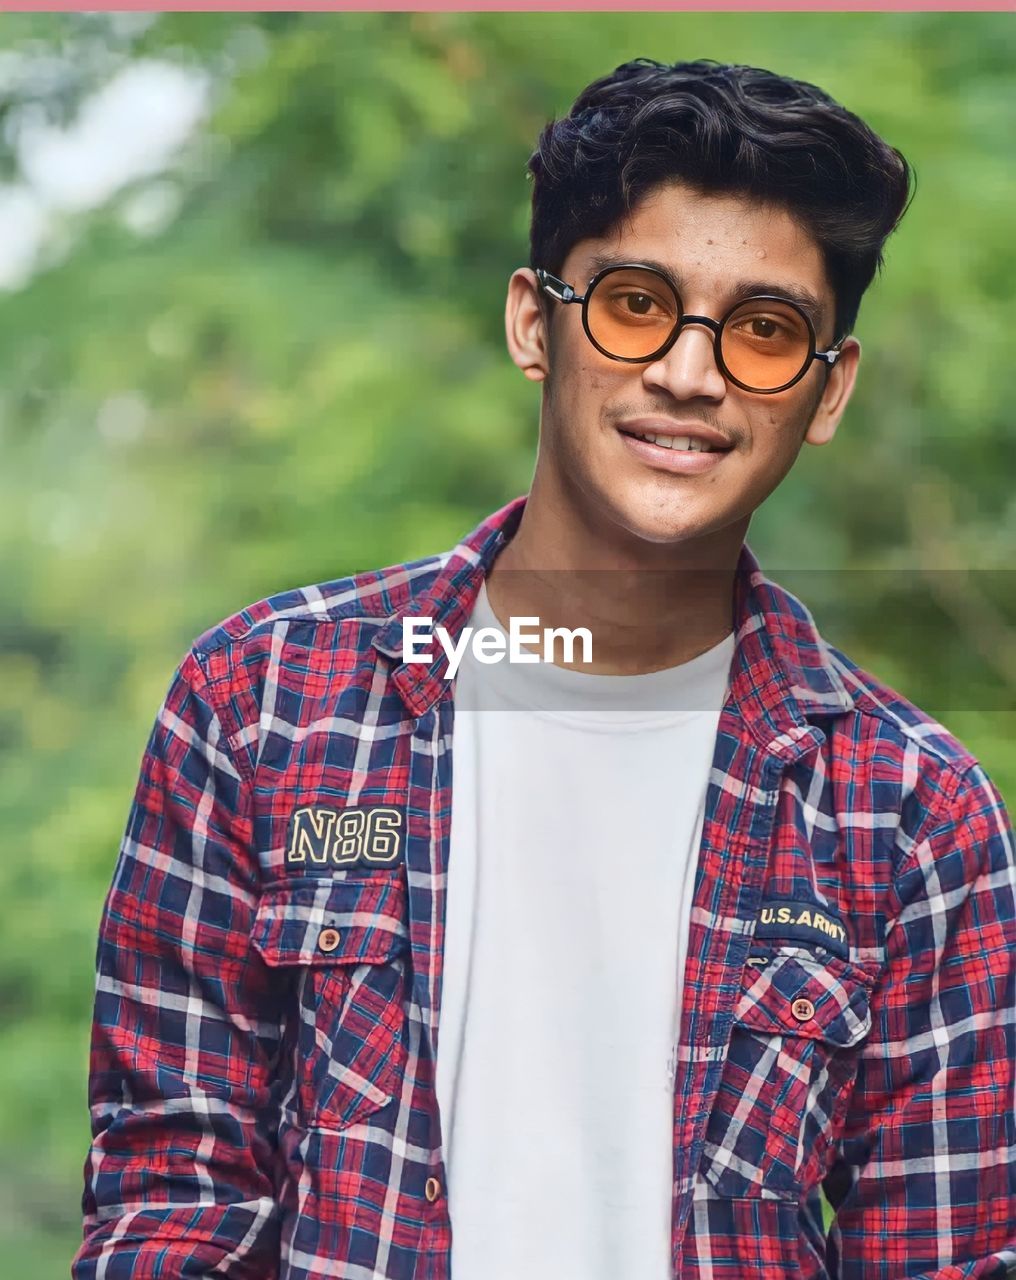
{"type": "Point", "coordinates": [323, 837]}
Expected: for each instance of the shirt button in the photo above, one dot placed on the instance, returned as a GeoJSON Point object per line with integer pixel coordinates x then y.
{"type": "Point", "coordinates": [432, 1190]}
{"type": "Point", "coordinates": [329, 939]}
{"type": "Point", "coordinates": [802, 1010]}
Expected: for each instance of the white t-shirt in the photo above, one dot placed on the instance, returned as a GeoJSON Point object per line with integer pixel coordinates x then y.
{"type": "Point", "coordinates": [577, 808]}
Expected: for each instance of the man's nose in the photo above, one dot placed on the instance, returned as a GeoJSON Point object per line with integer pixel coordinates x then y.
{"type": "Point", "coordinates": [689, 370]}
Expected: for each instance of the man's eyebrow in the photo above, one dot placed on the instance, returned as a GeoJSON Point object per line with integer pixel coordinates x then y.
{"type": "Point", "coordinates": [602, 261]}
{"type": "Point", "coordinates": [805, 299]}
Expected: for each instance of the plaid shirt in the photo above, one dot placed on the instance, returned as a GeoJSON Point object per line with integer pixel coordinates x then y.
{"type": "Point", "coordinates": [269, 964]}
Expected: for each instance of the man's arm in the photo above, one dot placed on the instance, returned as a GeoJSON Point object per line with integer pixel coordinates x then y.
{"type": "Point", "coordinates": [178, 1180]}
{"type": "Point", "coordinates": [926, 1184]}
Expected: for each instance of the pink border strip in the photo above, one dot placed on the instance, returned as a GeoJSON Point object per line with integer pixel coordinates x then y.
{"type": "Point", "coordinates": [518, 6]}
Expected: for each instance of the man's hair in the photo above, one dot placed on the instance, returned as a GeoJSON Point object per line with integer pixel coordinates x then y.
{"type": "Point", "coordinates": [722, 130]}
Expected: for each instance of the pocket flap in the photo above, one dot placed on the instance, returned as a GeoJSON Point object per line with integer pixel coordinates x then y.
{"type": "Point", "coordinates": [798, 993]}
{"type": "Point", "coordinates": [329, 922]}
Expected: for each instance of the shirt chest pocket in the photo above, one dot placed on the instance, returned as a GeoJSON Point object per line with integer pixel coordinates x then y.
{"type": "Point", "coordinates": [343, 947]}
{"type": "Point", "coordinates": [798, 1027]}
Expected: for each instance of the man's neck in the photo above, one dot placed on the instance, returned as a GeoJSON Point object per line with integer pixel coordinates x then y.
{"type": "Point", "coordinates": [647, 607]}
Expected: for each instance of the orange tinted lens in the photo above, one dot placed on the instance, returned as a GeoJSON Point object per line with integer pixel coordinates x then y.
{"type": "Point", "coordinates": [765, 344]}
{"type": "Point", "coordinates": [632, 313]}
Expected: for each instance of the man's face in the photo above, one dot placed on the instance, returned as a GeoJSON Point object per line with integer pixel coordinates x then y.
{"type": "Point", "coordinates": [595, 407]}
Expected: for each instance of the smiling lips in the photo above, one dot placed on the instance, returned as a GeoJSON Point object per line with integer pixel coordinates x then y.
{"type": "Point", "coordinates": [669, 451]}
{"type": "Point", "coordinates": [691, 444]}
{"type": "Point", "coordinates": [658, 427]}
{"type": "Point", "coordinates": [662, 445]}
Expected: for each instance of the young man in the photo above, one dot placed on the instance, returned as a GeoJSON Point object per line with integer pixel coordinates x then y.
{"type": "Point", "coordinates": [694, 930]}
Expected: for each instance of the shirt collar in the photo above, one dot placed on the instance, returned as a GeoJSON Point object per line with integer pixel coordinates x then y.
{"type": "Point", "coordinates": [782, 674]}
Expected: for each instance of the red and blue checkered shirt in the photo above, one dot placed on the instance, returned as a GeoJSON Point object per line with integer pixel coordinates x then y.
{"type": "Point", "coordinates": [269, 979]}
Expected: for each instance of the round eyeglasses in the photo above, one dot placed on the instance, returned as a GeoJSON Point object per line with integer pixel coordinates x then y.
{"type": "Point", "coordinates": [633, 313]}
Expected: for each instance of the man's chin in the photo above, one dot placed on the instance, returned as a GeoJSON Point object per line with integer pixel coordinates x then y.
{"type": "Point", "coordinates": [645, 522]}
{"type": "Point", "coordinates": [660, 529]}
{"type": "Point", "coordinates": [657, 530]}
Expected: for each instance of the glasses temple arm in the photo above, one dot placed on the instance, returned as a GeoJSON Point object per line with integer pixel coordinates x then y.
{"type": "Point", "coordinates": [833, 354]}
{"type": "Point", "coordinates": [556, 288]}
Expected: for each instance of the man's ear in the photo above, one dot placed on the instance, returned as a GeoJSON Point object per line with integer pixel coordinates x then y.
{"type": "Point", "coordinates": [836, 396]}
{"type": "Point", "coordinates": [525, 325]}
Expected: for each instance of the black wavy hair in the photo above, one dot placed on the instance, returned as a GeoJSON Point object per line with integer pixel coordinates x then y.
{"type": "Point", "coordinates": [720, 129]}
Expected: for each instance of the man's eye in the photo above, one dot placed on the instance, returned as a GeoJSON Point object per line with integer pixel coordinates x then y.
{"type": "Point", "coordinates": [638, 304]}
{"type": "Point", "coordinates": [764, 327]}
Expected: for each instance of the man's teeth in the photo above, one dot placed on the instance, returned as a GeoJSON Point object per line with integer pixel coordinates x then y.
{"type": "Point", "coordinates": [689, 443]}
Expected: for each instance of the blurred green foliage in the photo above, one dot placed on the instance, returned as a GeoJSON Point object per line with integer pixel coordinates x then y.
{"type": "Point", "coordinates": [303, 374]}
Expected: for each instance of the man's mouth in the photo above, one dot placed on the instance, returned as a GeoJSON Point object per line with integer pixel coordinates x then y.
{"type": "Point", "coordinates": [684, 444]}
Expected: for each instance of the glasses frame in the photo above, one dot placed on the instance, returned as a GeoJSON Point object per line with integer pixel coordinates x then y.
{"type": "Point", "coordinates": [561, 291]}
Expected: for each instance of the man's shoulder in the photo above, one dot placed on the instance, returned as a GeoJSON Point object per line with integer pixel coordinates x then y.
{"type": "Point", "coordinates": [370, 597]}
{"type": "Point", "coordinates": [896, 738]}
{"type": "Point", "coordinates": [893, 757]}
{"type": "Point", "coordinates": [883, 729]}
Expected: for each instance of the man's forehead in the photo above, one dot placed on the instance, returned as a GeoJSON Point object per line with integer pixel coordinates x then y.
{"type": "Point", "coordinates": [716, 240]}
{"type": "Point", "coordinates": [728, 219]}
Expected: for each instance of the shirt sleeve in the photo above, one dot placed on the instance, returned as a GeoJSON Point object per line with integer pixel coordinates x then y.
{"type": "Point", "coordinates": [186, 1027]}
{"type": "Point", "coordinates": [925, 1187]}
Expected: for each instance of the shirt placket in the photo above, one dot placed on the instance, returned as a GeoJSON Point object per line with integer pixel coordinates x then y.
{"type": "Point", "coordinates": [427, 850]}
{"type": "Point", "coordinates": [733, 859]}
